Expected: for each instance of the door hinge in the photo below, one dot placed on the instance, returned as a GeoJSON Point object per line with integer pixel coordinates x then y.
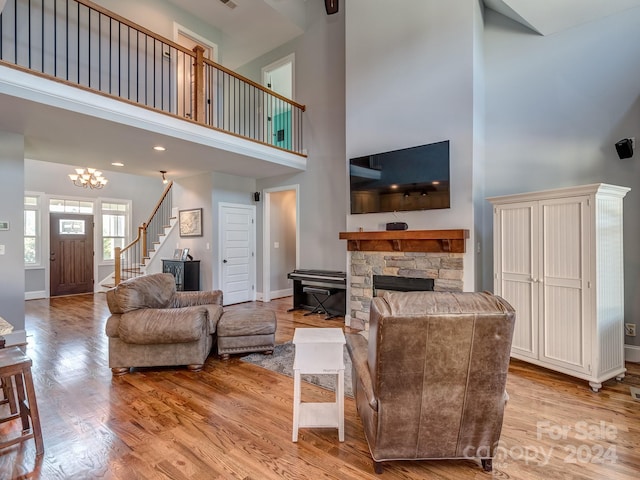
{"type": "Point", "coordinates": [253, 254]}
{"type": "Point", "coordinates": [253, 287]}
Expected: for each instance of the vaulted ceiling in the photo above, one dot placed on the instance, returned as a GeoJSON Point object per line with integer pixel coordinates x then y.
{"type": "Point", "coordinates": [251, 29]}
{"type": "Point", "coordinates": [550, 16]}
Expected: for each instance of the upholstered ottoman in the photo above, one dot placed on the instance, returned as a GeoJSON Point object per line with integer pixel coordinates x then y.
{"type": "Point", "coordinates": [242, 331]}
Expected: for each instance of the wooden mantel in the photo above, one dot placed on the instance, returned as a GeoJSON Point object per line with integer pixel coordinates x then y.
{"type": "Point", "coordinates": [432, 241]}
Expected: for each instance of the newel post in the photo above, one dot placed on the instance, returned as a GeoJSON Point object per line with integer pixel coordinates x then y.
{"type": "Point", "coordinates": [143, 232]}
{"type": "Point", "coordinates": [117, 266]}
{"type": "Point", "coordinates": [198, 85]}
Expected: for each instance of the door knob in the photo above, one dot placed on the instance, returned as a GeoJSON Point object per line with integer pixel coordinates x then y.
{"type": "Point", "coordinates": [224, 261]}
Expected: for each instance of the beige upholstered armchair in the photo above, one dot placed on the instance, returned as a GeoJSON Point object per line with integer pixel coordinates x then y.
{"type": "Point", "coordinates": [153, 325]}
{"type": "Point", "coordinates": [430, 381]}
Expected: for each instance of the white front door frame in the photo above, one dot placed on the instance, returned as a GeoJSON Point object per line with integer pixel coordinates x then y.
{"type": "Point", "coordinates": [266, 235]}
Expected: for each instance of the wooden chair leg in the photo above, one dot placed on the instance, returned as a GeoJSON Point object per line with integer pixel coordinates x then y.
{"type": "Point", "coordinates": [9, 395]}
{"type": "Point", "coordinates": [22, 403]}
{"type": "Point", "coordinates": [33, 410]}
{"type": "Point", "coordinates": [487, 464]}
{"type": "Point", "coordinates": [377, 467]}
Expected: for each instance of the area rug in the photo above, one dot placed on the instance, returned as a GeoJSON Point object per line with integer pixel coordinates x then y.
{"type": "Point", "coordinates": [281, 361]}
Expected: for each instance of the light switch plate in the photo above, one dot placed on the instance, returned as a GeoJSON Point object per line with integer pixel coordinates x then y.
{"type": "Point", "coordinates": [1, 249]}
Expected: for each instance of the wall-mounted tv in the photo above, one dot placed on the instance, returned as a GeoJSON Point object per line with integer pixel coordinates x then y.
{"type": "Point", "coordinates": [415, 178]}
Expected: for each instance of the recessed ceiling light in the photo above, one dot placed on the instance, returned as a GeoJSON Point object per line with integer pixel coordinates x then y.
{"type": "Point", "coordinates": [117, 164]}
{"type": "Point", "coordinates": [159, 148]}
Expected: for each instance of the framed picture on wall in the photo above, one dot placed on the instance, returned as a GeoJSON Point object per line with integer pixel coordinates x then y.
{"type": "Point", "coordinates": [190, 222]}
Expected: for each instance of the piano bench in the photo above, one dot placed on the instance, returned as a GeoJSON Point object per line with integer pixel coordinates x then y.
{"type": "Point", "coordinates": [320, 307]}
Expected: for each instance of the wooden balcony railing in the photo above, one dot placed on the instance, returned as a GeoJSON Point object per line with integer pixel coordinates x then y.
{"type": "Point", "coordinates": [82, 44]}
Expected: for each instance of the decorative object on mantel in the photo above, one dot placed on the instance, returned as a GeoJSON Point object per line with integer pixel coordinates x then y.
{"type": "Point", "coordinates": [397, 226]}
{"type": "Point", "coordinates": [5, 328]}
{"type": "Point", "coordinates": [448, 241]}
{"type": "Point", "coordinates": [88, 177]}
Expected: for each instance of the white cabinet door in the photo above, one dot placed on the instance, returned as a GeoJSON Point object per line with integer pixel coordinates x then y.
{"type": "Point", "coordinates": [565, 316]}
{"type": "Point", "coordinates": [558, 260]}
{"type": "Point", "coordinates": [516, 271]}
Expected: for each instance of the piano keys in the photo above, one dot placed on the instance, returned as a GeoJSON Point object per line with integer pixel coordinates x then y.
{"type": "Point", "coordinates": [334, 281]}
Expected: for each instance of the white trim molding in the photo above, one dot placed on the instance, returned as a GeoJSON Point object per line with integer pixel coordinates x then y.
{"type": "Point", "coordinates": [632, 353]}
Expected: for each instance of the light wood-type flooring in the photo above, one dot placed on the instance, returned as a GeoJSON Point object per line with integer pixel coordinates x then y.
{"type": "Point", "coordinates": [233, 420]}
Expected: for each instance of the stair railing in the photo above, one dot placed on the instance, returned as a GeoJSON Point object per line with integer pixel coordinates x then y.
{"type": "Point", "coordinates": [130, 259]}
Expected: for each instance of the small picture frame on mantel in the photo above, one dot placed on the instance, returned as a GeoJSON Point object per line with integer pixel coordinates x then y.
{"type": "Point", "coordinates": [177, 254]}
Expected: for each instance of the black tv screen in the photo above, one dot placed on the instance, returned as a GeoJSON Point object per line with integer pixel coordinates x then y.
{"type": "Point", "coordinates": [415, 178]}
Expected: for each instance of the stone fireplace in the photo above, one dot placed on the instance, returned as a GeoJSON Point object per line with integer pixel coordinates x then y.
{"type": "Point", "coordinates": [418, 254]}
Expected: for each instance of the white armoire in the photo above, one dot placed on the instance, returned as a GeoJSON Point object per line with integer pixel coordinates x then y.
{"type": "Point", "coordinates": [558, 261]}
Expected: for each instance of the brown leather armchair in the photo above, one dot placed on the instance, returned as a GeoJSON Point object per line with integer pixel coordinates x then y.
{"type": "Point", "coordinates": [153, 325]}
{"type": "Point", "coordinates": [430, 381]}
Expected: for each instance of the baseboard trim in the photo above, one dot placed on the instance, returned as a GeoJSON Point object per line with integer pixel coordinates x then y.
{"type": "Point", "coordinates": [287, 292]}
{"type": "Point", "coordinates": [632, 353]}
{"type": "Point", "coordinates": [35, 295]}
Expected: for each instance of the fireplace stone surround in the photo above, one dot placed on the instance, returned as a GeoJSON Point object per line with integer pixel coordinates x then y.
{"type": "Point", "coordinates": [435, 254]}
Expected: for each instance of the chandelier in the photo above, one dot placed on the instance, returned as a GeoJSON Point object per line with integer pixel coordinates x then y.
{"type": "Point", "coordinates": [88, 177]}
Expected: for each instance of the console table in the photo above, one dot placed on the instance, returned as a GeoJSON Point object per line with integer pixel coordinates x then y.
{"type": "Point", "coordinates": [186, 272]}
{"type": "Point", "coordinates": [319, 351]}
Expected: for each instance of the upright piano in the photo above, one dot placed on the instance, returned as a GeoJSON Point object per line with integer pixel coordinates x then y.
{"type": "Point", "coordinates": [334, 281]}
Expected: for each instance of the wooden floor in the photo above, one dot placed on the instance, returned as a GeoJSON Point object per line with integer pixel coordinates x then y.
{"type": "Point", "coordinates": [233, 419]}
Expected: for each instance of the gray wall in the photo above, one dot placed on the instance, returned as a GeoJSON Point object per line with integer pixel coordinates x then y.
{"type": "Point", "coordinates": [11, 210]}
{"type": "Point", "coordinates": [410, 80]}
{"type": "Point", "coordinates": [190, 193]}
{"type": "Point", "coordinates": [555, 106]}
{"type": "Point", "coordinates": [159, 16]}
{"type": "Point", "coordinates": [319, 74]}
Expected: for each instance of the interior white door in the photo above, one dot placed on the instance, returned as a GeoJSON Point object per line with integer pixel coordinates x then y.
{"type": "Point", "coordinates": [237, 240]}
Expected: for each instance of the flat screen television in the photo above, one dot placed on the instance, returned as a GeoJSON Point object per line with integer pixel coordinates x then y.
{"type": "Point", "coordinates": [415, 178]}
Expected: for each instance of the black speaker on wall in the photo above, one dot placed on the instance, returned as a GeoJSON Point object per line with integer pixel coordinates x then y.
{"type": "Point", "coordinates": [625, 148]}
{"type": "Point", "coordinates": [256, 196]}
{"type": "Point", "coordinates": [331, 6]}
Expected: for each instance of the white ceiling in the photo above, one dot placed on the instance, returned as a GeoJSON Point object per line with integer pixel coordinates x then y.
{"type": "Point", "coordinates": [251, 29]}
{"type": "Point", "coordinates": [551, 16]}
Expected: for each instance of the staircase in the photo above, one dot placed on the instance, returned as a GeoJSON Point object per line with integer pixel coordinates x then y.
{"type": "Point", "coordinates": [132, 260]}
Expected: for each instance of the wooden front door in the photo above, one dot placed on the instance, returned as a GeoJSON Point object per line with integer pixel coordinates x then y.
{"type": "Point", "coordinates": [71, 254]}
